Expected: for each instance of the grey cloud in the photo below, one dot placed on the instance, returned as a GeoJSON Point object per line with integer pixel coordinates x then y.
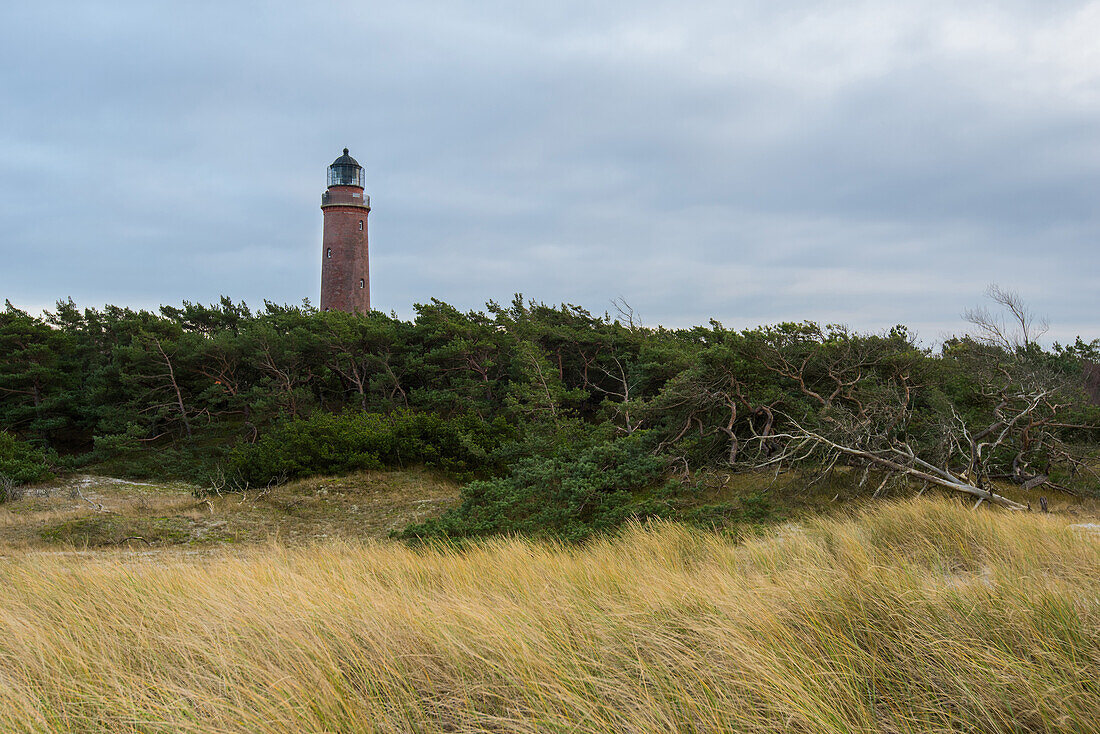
{"type": "Point", "coordinates": [756, 161]}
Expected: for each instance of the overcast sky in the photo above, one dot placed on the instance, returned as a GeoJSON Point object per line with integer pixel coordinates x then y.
{"type": "Point", "coordinates": [869, 163]}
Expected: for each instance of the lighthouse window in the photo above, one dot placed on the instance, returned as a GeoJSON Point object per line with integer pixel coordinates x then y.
{"type": "Point", "coordinates": [328, 252]}
{"type": "Point", "coordinates": [360, 225]}
{"type": "Point", "coordinates": [362, 283]}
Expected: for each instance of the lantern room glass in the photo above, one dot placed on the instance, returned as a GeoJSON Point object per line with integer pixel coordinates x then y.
{"type": "Point", "coordinates": [343, 174]}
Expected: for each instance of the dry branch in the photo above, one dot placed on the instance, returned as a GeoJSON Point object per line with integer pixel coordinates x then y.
{"type": "Point", "coordinates": [803, 438]}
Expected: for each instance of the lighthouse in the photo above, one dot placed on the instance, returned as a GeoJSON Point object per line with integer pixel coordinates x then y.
{"type": "Point", "coordinates": [345, 271]}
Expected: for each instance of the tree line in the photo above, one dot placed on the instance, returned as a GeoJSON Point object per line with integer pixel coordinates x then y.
{"type": "Point", "coordinates": [179, 391]}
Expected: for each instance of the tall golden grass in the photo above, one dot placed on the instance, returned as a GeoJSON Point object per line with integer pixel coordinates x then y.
{"type": "Point", "coordinates": [922, 616]}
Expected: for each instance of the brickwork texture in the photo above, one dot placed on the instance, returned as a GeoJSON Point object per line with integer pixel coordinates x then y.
{"type": "Point", "coordinates": [345, 270]}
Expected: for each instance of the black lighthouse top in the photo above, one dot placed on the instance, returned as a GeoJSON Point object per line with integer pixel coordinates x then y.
{"type": "Point", "coordinates": [345, 171]}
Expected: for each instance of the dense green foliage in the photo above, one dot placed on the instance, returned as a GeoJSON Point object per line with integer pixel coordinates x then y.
{"type": "Point", "coordinates": [20, 462]}
{"type": "Point", "coordinates": [569, 497]}
{"type": "Point", "coordinates": [547, 407]}
{"type": "Point", "coordinates": [326, 443]}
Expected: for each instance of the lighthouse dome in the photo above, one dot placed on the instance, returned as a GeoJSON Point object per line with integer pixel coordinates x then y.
{"type": "Point", "coordinates": [345, 171]}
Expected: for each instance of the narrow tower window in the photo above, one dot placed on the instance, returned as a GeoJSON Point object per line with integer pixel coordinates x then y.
{"type": "Point", "coordinates": [362, 283]}
{"type": "Point", "coordinates": [360, 225]}
{"type": "Point", "coordinates": [328, 252]}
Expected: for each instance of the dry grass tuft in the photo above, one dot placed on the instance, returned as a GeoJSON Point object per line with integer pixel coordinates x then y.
{"type": "Point", "coordinates": [921, 616]}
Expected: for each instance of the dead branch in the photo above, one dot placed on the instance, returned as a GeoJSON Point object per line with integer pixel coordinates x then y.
{"type": "Point", "coordinates": [95, 505]}
{"type": "Point", "coordinates": [1012, 331]}
{"type": "Point", "coordinates": [924, 470]}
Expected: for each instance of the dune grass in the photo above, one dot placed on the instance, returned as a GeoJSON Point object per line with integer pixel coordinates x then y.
{"type": "Point", "coordinates": [919, 616]}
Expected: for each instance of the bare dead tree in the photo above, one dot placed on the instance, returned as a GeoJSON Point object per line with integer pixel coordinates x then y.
{"type": "Point", "coordinates": [947, 448]}
{"type": "Point", "coordinates": [1014, 328]}
{"type": "Point", "coordinates": [893, 456]}
{"type": "Point", "coordinates": [627, 314]}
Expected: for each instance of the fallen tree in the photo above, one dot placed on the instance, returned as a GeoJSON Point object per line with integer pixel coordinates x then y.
{"type": "Point", "coordinates": [1008, 422]}
{"type": "Point", "coordinates": [901, 459]}
{"type": "Point", "coordinates": [983, 411]}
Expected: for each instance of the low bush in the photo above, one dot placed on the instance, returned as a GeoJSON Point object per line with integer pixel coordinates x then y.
{"type": "Point", "coordinates": [131, 455]}
{"type": "Point", "coordinates": [326, 443]}
{"type": "Point", "coordinates": [21, 462]}
{"type": "Point", "coordinates": [559, 496]}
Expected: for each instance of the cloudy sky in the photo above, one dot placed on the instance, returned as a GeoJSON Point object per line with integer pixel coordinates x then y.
{"type": "Point", "coordinates": [861, 162]}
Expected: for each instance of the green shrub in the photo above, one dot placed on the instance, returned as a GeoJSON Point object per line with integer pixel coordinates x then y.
{"type": "Point", "coordinates": [558, 496]}
{"type": "Point", "coordinates": [132, 455]}
{"type": "Point", "coordinates": [20, 462]}
{"type": "Point", "coordinates": [336, 444]}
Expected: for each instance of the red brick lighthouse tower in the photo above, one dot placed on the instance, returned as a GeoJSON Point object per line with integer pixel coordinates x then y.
{"type": "Point", "coordinates": [345, 272]}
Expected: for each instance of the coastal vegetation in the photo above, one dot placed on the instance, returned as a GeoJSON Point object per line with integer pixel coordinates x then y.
{"type": "Point", "coordinates": [537, 519]}
{"type": "Point", "coordinates": [557, 421]}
